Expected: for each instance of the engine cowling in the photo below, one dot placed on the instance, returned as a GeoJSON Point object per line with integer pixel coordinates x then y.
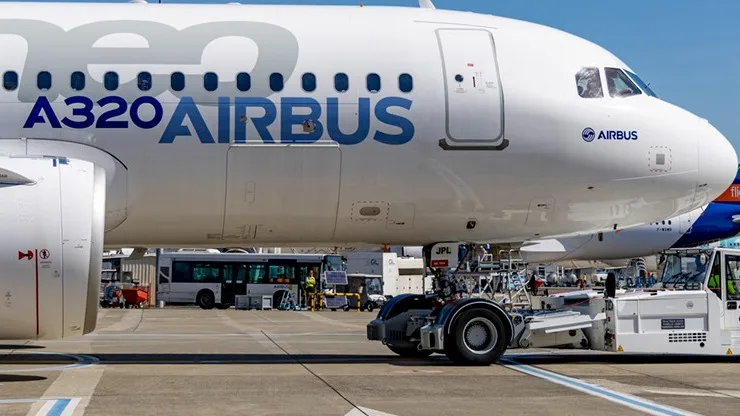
{"type": "Point", "coordinates": [52, 214]}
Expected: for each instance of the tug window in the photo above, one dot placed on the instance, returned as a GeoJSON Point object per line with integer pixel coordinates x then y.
{"type": "Point", "coordinates": [588, 83]}
{"type": "Point", "coordinates": [619, 84]}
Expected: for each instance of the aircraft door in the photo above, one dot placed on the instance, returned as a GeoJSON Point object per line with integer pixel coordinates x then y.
{"type": "Point", "coordinates": [731, 294]}
{"type": "Point", "coordinates": [473, 96]}
{"type": "Point", "coordinates": [282, 192]}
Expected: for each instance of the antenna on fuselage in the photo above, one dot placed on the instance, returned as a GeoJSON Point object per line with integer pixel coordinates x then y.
{"type": "Point", "coordinates": [426, 4]}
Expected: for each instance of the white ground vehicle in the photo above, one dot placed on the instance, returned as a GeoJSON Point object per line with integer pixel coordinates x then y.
{"type": "Point", "coordinates": [693, 309]}
{"type": "Point", "coordinates": [214, 280]}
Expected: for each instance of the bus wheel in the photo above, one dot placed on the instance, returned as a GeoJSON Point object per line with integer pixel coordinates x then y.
{"type": "Point", "coordinates": [205, 299]}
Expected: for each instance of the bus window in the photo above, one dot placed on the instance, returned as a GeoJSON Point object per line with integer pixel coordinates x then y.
{"type": "Point", "coordinates": [241, 272]}
{"type": "Point", "coordinates": [256, 274]}
{"type": "Point", "coordinates": [282, 274]}
{"type": "Point", "coordinates": [182, 272]}
{"type": "Point", "coordinates": [206, 273]}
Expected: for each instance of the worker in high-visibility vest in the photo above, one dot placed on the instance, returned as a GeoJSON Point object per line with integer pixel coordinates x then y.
{"type": "Point", "coordinates": [310, 289]}
{"type": "Point", "coordinates": [714, 283]}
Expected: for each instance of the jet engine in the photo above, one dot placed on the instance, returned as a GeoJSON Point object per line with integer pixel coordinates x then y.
{"type": "Point", "coordinates": [52, 214]}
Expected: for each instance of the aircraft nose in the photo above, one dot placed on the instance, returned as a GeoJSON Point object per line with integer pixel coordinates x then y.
{"type": "Point", "coordinates": [717, 162]}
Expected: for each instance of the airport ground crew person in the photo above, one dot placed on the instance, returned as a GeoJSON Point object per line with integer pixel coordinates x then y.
{"type": "Point", "coordinates": [714, 282]}
{"type": "Point", "coordinates": [310, 287]}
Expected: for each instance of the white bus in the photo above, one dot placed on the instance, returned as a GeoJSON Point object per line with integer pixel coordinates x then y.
{"type": "Point", "coordinates": [214, 280]}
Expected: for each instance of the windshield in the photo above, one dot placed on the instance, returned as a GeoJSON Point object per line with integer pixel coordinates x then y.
{"type": "Point", "coordinates": [641, 84]}
{"type": "Point", "coordinates": [685, 268]}
{"type": "Point", "coordinates": [619, 84]}
{"type": "Point", "coordinates": [374, 286]}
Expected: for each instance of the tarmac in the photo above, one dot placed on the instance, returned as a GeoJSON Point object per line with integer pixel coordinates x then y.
{"type": "Point", "coordinates": [188, 361]}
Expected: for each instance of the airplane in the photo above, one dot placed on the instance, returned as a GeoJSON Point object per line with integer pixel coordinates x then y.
{"type": "Point", "coordinates": [185, 125]}
{"type": "Point", "coordinates": [715, 221]}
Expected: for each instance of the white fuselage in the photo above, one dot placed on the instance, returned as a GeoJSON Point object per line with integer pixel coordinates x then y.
{"type": "Point", "coordinates": [232, 168]}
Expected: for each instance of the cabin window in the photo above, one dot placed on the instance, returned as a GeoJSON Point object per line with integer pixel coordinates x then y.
{"type": "Point", "coordinates": [210, 81]}
{"type": "Point", "coordinates": [177, 81]}
{"type": "Point", "coordinates": [243, 81]}
{"type": "Point", "coordinates": [276, 82]}
{"type": "Point", "coordinates": [77, 81]}
{"type": "Point", "coordinates": [43, 80]}
{"type": "Point", "coordinates": [110, 81]}
{"type": "Point", "coordinates": [373, 82]}
{"type": "Point", "coordinates": [341, 82]}
{"type": "Point", "coordinates": [308, 82]}
{"type": "Point", "coordinates": [588, 83]}
{"type": "Point", "coordinates": [619, 84]}
{"type": "Point", "coordinates": [10, 80]}
{"type": "Point", "coordinates": [144, 81]}
{"type": "Point", "coordinates": [405, 83]}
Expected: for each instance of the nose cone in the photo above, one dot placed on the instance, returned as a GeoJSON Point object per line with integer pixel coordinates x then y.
{"type": "Point", "coordinates": [717, 163]}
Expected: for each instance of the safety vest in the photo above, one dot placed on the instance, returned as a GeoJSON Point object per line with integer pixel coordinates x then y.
{"type": "Point", "coordinates": [714, 284]}
{"type": "Point", "coordinates": [310, 281]}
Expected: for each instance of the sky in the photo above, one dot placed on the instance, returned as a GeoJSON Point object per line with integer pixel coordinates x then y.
{"type": "Point", "coordinates": [687, 50]}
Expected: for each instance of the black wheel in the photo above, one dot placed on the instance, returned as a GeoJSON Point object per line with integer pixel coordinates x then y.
{"type": "Point", "coordinates": [370, 307]}
{"type": "Point", "coordinates": [205, 299]}
{"type": "Point", "coordinates": [477, 338]}
{"type": "Point", "coordinates": [409, 352]}
{"type": "Point", "coordinates": [346, 308]}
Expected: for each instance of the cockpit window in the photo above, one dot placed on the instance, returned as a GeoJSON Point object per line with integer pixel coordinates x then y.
{"type": "Point", "coordinates": [619, 84]}
{"type": "Point", "coordinates": [588, 83]}
{"type": "Point", "coordinates": [641, 84]}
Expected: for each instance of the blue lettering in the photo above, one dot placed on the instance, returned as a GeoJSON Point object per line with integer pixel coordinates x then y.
{"type": "Point", "coordinates": [305, 112]}
{"type": "Point", "coordinates": [224, 124]}
{"type": "Point", "coordinates": [158, 112]}
{"type": "Point", "coordinates": [186, 107]}
{"type": "Point", "coordinates": [85, 111]}
{"type": "Point", "coordinates": [363, 122]}
{"type": "Point", "coordinates": [382, 114]}
{"type": "Point", "coordinates": [104, 121]}
{"type": "Point", "coordinates": [288, 120]}
{"type": "Point", "coordinates": [35, 117]}
{"type": "Point", "coordinates": [617, 135]}
{"type": "Point", "coordinates": [241, 118]}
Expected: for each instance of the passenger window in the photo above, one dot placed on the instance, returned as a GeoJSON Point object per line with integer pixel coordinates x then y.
{"type": "Point", "coordinates": [144, 80]}
{"type": "Point", "coordinates": [276, 82]}
{"type": "Point", "coordinates": [619, 84]}
{"type": "Point", "coordinates": [110, 81]}
{"type": "Point", "coordinates": [43, 80]}
{"type": "Point", "coordinates": [256, 273]}
{"type": "Point", "coordinates": [405, 83]}
{"type": "Point", "coordinates": [243, 81]}
{"type": "Point", "coordinates": [77, 81]}
{"type": "Point", "coordinates": [177, 81]}
{"type": "Point", "coordinates": [10, 80]}
{"type": "Point", "coordinates": [588, 82]}
{"type": "Point", "coordinates": [341, 82]}
{"type": "Point", "coordinates": [373, 82]}
{"type": "Point", "coordinates": [210, 81]}
{"type": "Point", "coordinates": [309, 82]}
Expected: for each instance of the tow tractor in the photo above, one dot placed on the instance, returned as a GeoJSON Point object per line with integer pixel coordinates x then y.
{"type": "Point", "coordinates": [692, 309]}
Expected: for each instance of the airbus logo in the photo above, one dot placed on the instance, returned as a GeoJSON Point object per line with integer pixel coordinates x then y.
{"type": "Point", "coordinates": [588, 135]}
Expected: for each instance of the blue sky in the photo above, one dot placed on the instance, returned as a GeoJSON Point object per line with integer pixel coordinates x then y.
{"type": "Point", "coordinates": [688, 50]}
